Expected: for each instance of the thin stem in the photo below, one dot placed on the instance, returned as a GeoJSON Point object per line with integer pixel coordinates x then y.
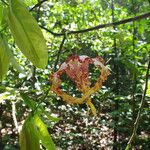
{"type": "Point", "coordinates": [42, 99]}
{"type": "Point", "coordinates": [146, 15]}
{"type": "Point", "coordinates": [115, 136]}
{"type": "Point", "coordinates": [14, 115]}
{"type": "Point", "coordinates": [136, 123]}
{"type": "Point", "coordinates": [38, 4]}
{"type": "Point", "coordinates": [4, 2]}
{"type": "Point", "coordinates": [134, 78]}
{"type": "Point", "coordinates": [59, 52]}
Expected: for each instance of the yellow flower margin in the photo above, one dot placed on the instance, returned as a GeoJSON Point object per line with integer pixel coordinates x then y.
{"type": "Point", "coordinates": [75, 65]}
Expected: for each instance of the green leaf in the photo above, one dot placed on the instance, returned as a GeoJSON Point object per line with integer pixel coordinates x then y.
{"type": "Point", "coordinates": [38, 108]}
{"type": "Point", "coordinates": [30, 2]}
{"type": "Point", "coordinates": [33, 131]}
{"type": "Point", "coordinates": [148, 89]}
{"type": "Point", "coordinates": [127, 147]}
{"type": "Point", "coordinates": [28, 138]}
{"type": "Point", "coordinates": [4, 96]}
{"type": "Point", "coordinates": [43, 134]}
{"type": "Point", "coordinates": [30, 103]}
{"type": "Point", "coordinates": [49, 116]}
{"type": "Point", "coordinates": [130, 65]}
{"type": "Point", "coordinates": [1, 13]}
{"type": "Point", "coordinates": [4, 58]}
{"type": "Point", "coordinates": [14, 62]}
{"type": "Point", "coordinates": [27, 34]}
{"type": "Point", "coordinates": [2, 17]}
{"type": "Point", "coordinates": [12, 59]}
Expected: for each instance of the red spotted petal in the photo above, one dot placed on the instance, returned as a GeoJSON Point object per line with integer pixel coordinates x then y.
{"type": "Point", "coordinates": [77, 68]}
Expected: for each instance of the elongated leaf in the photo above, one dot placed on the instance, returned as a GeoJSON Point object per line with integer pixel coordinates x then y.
{"type": "Point", "coordinates": [27, 34]}
{"type": "Point", "coordinates": [130, 65]}
{"type": "Point", "coordinates": [3, 22]}
{"type": "Point", "coordinates": [30, 2]}
{"type": "Point", "coordinates": [16, 65]}
{"type": "Point", "coordinates": [43, 134]}
{"type": "Point", "coordinates": [49, 116]}
{"type": "Point", "coordinates": [4, 58]}
{"type": "Point", "coordinates": [32, 104]}
{"type": "Point", "coordinates": [127, 147]}
{"type": "Point", "coordinates": [33, 131]}
{"type": "Point", "coordinates": [14, 62]}
{"type": "Point", "coordinates": [1, 13]}
{"type": "Point", "coordinates": [28, 137]}
{"type": "Point", "coordinates": [4, 96]}
{"type": "Point", "coordinates": [148, 89]}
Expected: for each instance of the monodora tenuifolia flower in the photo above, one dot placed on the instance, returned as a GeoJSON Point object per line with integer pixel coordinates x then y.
{"type": "Point", "coordinates": [77, 69]}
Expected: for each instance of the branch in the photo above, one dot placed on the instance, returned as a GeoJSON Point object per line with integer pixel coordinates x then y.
{"type": "Point", "coordinates": [4, 2]}
{"type": "Point", "coordinates": [136, 123]}
{"type": "Point", "coordinates": [146, 15]}
{"type": "Point", "coordinates": [14, 116]}
{"type": "Point", "coordinates": [38, 4]}
{"type": "Point", "coordinates": [60, 49]}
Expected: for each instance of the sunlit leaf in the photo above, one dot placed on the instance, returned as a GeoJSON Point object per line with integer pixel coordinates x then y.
{"type": "Point", "coordinates": [4, 58]}
{"type": "Point", "coordinates": [130, 65]}
{"type": "Point", "coordinates": [33, 132]}
{"type": "Point", "coordinates": [30, 2]}
{"type": "Point", "coordinates": [27, 34]}
{"type": "Point", "coordinates": [35, 107]}
{"type": "Point", "coordinates": [148, 89]}
{"type": "Point", "coordinates": [4, 96]}
{"type": "Point", "coordinates": [16, 65]}
{"type": "Point", "coordinates": [1, 12]}
{"type": "Point", "coordinates": [14, 62]}
{"type": "Point", "coordinates": [127, 147]}
{"type": "Point", "coordinates": [28, 138]}
{"type": "Point", "coordinates": [2, 17]}
{"type": "Point", "coordinates": [30, 103]}
{"type": "Point", "coordinates": [43, 134]}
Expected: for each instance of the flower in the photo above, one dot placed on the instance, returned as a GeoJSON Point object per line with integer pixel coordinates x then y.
{"type": "Point", "coordinates": [77, 69]}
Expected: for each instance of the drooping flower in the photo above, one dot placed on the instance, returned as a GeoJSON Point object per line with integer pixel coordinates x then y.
{"type": "Point", "coordinates": [77, 69]}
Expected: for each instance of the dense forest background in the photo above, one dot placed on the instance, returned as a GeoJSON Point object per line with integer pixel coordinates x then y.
{"type": "Point", "coordinates": [67, 26]}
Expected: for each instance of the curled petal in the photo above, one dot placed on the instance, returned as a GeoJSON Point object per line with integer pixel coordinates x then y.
{"type": "Point", "coordinates": [77, 68]}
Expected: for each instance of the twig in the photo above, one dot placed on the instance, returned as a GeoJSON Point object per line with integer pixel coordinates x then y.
{"type": "Point", "coordinates": [136, 123]}
{"type": "Point", "coordinates": [116, 78]}
{"type": "Point", "coordinates": [146, 15]}
{"type": "Point", "coordinates": [40, 101]}
{"type": "Point", "coordinates": [4, 2]}
{"type": "Point", "coordinates": [38, 4]}
{"type": "Point", "coordinates": [14, 115]}
{"type": "Point", "coordinates": [134, 78]}
{"type": "Point", "coordinates": [60, 49]}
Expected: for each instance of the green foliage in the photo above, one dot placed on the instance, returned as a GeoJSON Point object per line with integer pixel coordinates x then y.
{"type": "Point", "coordinates": [43, 134]}
{"type": "Point", "coordinates": [127, 148]}
{"type": "Point", "coordinates": [27, 34]}
{"type": "Point", "coordinates": [30, 2]}
{"type": "Point", "coordinates": [4, 58]}
{"type": "Point", "coordinates": [148, 89]}
{"type": "Point", "coordinates": [14, 62]}
{"type": "Point", "coordinates": [23, 47]}
{"type": "Point", "coordinates": [35, 107]}
{"type": "Point", "coordinates": [28, 136]}
{"type": "Point", "coordinates": [34, 131]}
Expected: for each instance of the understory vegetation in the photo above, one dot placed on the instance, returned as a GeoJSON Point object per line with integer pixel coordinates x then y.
{"type": "Point", "coordinates": [36, 37]}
